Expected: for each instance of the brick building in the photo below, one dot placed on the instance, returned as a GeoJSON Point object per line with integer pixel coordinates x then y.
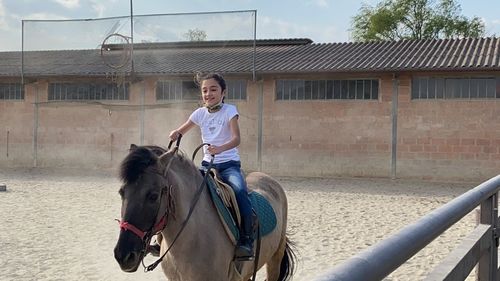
{"type": "Point", "coordinates": [423, 109]}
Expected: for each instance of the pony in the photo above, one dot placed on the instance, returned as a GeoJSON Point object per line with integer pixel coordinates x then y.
{"type": "Point", "coordinates": [164, 193]}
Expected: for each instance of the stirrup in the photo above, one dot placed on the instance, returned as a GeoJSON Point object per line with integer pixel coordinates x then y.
{"type": "Point", "coordinates": [243, 253]}
{"type": "Point", "coordinates": [244, 258]}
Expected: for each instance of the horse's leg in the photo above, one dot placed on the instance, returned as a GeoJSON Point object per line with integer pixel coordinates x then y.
{"type": "Point", "coordinates": [274, 264]}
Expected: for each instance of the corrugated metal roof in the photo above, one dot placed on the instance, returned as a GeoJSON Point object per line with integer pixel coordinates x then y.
{"type": "Point", "coordinates": [272, 56]}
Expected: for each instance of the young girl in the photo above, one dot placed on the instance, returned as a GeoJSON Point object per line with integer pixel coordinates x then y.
{"type": "Point", "coordinates": [219, 127]}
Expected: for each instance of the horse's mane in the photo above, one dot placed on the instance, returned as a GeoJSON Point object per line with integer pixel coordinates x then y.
{"type": "Point", "coordinates": [142, 157]}
{"type": "Point", "coordinates": [138, 160]}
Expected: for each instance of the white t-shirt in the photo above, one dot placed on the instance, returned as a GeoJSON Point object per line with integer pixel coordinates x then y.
{"type": "Point", "coordinates": [215, 130]}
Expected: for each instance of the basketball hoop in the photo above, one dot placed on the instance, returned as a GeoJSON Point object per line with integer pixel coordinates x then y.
{"type": "Point", "coordinates": [118, 78]}
{"type": "Point", "coordinates": [116, 51]}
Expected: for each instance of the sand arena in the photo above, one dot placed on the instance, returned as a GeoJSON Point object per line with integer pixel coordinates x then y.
{"type": "Point", "coordinates": [61, 225]}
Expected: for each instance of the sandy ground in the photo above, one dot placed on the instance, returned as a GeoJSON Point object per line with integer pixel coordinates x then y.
{"type": "Point", "coordinates": [62, 227]}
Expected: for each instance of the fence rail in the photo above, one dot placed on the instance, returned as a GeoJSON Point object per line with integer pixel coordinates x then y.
{"type": "Point", "coordinates": [480, 247]}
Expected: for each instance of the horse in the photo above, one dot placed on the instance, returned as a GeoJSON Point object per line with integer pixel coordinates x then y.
{"type": "Point", "coordinates": [164, 193]}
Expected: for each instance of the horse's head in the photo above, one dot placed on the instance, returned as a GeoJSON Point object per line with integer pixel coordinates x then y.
{"type": "Point", "coordinates": [144, 209]}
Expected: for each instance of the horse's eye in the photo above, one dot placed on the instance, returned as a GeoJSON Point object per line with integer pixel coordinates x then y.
{"type": "Point", "coordinates": [153, 197]}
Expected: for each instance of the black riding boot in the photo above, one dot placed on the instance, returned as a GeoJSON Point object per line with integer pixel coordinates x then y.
{"type": "Point", "coordinates": [244, 249]}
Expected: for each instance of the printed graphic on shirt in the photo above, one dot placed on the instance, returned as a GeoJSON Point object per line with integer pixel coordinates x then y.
{"type": "Point", "coordinates": [214, 125]}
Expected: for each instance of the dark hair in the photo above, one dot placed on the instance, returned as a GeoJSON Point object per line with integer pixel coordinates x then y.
{"type": "Point", "coordinates": [200, 77]}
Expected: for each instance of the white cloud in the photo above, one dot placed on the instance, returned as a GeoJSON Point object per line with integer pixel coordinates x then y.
{"type": "Point", "coordinates": [492, 26]}
{"type": "Point", "coordinates": [43, 16]}
{"type": "Point", "coordinates": [98, 7]}
{"type": "Point", "coordinates": [10, 35]}
{"type": "Point", "coordinates": [3, 20]}
{"type": "Point", "coordinates": [274, 28]}
{"type": "Point", "coordinates": [320, 3]}
{"type": "Point", "coordinates": [69, 4]}
{"type": "Point", "coordinates": [270, 28]}
{"type": "Point", "coordinates": [103, 8]}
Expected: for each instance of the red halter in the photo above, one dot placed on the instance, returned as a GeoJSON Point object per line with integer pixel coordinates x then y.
{"type": "Point", "coordinates": [158, 227]}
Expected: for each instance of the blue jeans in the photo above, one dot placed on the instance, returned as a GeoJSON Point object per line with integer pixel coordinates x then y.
{"type": "Point", "coordinates": [230, 172]}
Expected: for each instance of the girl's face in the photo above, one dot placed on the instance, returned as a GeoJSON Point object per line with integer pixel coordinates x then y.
{"type": "Point", "coordinates": [211, 92]}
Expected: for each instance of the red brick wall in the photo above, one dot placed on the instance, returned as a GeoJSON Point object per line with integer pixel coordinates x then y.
{"type": "Point", "coordinates": [437, 140]}
{"type": "Point", "coordinates": [16, 130]}
{"type": "Point", "coordinates": [327, 138]}
{"type": "Point", "coordinates": [447, 139]}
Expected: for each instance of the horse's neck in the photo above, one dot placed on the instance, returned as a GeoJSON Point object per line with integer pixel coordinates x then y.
{"type": "Point", "coordinates": [186, 184]}
{"type": "Point", "coordinates": [203, 217]}
{"type": "Point", "coordinates": [191, 256]}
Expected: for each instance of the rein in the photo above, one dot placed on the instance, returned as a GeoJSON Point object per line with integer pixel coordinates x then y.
{"type": "Point", "coordinates": [147, 235]}
{"type": "Point", "coordinates": [197, 196]}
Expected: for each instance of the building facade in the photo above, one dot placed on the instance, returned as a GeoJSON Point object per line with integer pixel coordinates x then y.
{"type": "Point", "coordinates": [427, 109]}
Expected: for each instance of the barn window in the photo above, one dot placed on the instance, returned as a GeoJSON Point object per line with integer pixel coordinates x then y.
{"type": "Point", "coordinates": [455, 88]}
{"type": "Point", "coordinates": [88, 91]}
{"type": "Point", "coordinates": [11, 91]}
{"type": "Point", "coordinates": [178, 90]}
{"type": "Point", "coordinates": [236, 89]}
{"type": "Point", "coordinates": [353, 89]}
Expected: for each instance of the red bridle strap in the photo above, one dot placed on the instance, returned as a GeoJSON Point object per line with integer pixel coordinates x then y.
{"type": "Point", "coordinates": [161, 224]}
{"type": "Point", "coordinates": [127, 226]}
{"type": "Point", "coordinates": [157, 228]}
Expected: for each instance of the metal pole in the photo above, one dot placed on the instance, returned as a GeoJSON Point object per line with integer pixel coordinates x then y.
{"type": "Point", "coordinates": [379, 260]}
{"type": "Point", "coordinates": [131, 36]}
{"type": "Point", "coordinates": [35, 129]}
{"type": "Point", "coordinates": [22, 53]}
{"type": "Point", "coordinates": [143, 109]}
{"type": "Point", "coordinates": [260, 112]}
{"type": "Point", "coordinates": [8, 132]}
{"type": "Point", "coordinates": [487, 266]}
{"type": "Point", "coordinates": [254, 44]}
{"type": "Point", "coordinates": [394, 140]}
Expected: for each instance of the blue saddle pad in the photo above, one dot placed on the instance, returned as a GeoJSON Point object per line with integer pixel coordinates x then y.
{"type": "Point", "coordinates": [264, 211]}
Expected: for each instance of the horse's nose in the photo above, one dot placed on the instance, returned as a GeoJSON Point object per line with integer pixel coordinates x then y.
{"type": "Point", "coordinates": [118, 255]}
{"type": "Point", "coordinates": [126, 259]}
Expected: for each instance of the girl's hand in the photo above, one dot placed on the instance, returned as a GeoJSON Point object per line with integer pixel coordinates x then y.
{"type": "Point", "coordinates": [213, 150]}
{"type": "Point", "coordinates": [174, 135]}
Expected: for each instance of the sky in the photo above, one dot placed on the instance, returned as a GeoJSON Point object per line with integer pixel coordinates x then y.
{"type": "Point", "coordinates": [320, 20]}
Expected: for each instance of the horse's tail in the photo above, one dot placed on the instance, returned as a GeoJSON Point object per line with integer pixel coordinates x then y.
{"type": "Point", "coordinates": [287, 267]}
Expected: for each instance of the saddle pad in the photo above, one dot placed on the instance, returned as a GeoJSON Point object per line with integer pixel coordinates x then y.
{"type": "Point", "coordinates": [264, 211]}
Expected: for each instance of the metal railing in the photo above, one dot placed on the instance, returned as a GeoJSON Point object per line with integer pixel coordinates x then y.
{"type": "Point", "coordinates": [479, 248]}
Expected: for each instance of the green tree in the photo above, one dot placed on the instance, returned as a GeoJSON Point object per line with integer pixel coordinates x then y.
{"type": "Point", "coordinates": [195, 35]}
{"type": "Point", "coordinates": [414, 19]}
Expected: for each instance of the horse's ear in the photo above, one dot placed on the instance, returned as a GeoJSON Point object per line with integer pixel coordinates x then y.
{"type": "Point", "coordinates": [132, 147]}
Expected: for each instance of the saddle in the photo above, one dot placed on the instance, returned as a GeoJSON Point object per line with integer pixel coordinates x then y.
{"type": "Point", "coordinates": [225, 202]}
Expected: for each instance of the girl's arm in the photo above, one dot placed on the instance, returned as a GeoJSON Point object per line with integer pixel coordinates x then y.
{"type": "Point", "coordinates": [235, 138]}
{"type": "Point", "coordinates": [183, 129]}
